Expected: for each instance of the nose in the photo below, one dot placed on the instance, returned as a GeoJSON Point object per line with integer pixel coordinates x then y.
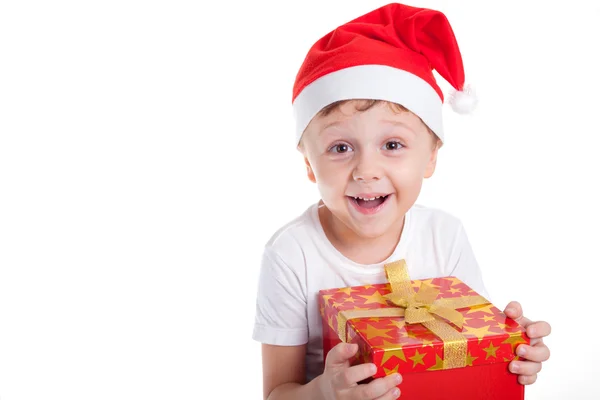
{"type": "Point", "coordinates": [367, 168]}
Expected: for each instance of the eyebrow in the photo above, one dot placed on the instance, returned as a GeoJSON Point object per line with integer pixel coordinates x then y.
{"type": "Point", "coordinates": [387, 121]}
{"type": "Point", "coordinates": [329, 125]}
{"type": "Point", "coordinates": [323, 131]}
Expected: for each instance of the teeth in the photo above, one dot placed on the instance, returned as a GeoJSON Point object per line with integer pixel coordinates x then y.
{"type": "Point", "coordinates": [367, 199]}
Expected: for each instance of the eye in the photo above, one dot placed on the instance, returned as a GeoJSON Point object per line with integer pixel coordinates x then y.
{"type": "Point", "coordinates": [340, 148]}
{"type": "Point", "coordinates": [393, 145]}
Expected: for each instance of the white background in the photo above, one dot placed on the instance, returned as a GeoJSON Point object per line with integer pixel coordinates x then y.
{"type": "Point", "coordinates": [146, 156]}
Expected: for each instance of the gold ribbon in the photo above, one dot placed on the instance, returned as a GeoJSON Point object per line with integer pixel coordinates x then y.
{"type": "Point", "coordinates": [421, 307]}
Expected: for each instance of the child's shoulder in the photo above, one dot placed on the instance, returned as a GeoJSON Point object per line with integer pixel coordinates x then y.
{"type": "Point", "coordinates": [296, 233]}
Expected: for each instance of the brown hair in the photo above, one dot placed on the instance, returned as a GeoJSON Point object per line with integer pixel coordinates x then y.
{"type": "Point", "coordinates": [360, 105]}
{"type": "Point", "coordinates": [365, 104]}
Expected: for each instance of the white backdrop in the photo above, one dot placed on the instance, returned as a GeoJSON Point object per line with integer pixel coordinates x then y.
{"type": "Point", "coordinates": [146, 156]}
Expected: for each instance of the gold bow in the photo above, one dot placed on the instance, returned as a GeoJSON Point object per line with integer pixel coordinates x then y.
{"type": "Point", "coordinates": [422, 307]}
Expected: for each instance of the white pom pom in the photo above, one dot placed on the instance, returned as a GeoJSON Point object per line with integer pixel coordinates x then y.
{"type": "Point", "coordinates": [464, 101]}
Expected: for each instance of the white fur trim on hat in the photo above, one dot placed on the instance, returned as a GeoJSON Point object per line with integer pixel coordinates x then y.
{"type": "Point", "coordinates": [375, 82]}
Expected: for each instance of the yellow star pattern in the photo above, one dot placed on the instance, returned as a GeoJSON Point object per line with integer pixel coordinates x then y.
{"type": "Point", "coordinates": [390, 345]}
{"type": "Point", "coordinates": [374, 298]}
{"type": "Point", "coordinates": [391, 370]}
{"type": "Point", "coordinates": [514, 341]}
{"type": "Point", "coordinates": [412, 335]}
{"type": "Point", "coordinates": [392, 349]}
{"type": "Point", "coordinates": [439, 364]}
{"type": "Point", "coordinates": [491, 351]}
{"type": "Point", "coordinates": [486, 309]}
{"type": "Point", "coordinates": [347, 290]}
{"type": "Point", "coordinates": [470, 360]}
{"type": "Point", "coordinates": [389, 333]}
{"type": "Point", "coordinates": [373, 332]}
{"type": "Point", "coordinates": [479, 332]}
{"type": "Point", "coordinates": [417, 358]}
{"type": "Point", "coordinates": [398, 324]}
{"type": "Point", "coordinates": [501, 325]}
{"type": "Point", "coordinates": [418, 334]}
{"type": "Point", "coordinates": [393, 353]}
{"type": "Point", "coordinates": [455, 281]}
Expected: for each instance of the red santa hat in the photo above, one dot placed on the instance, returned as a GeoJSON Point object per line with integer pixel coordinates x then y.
{"type": "Point", "coordinates": [387, 54]}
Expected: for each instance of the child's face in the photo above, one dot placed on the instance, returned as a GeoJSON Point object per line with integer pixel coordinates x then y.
{"type": "Point", "coordinates": [378, 153]}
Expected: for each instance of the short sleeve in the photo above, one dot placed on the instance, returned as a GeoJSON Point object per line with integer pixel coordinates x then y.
{"type": "Point", "coordinates": [281, 304]}
{"type": "Point", "coordinates": [464, 266]}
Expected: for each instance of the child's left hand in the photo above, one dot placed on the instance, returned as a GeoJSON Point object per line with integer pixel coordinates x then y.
{"type": "Point", "coordinates": [532, 356]}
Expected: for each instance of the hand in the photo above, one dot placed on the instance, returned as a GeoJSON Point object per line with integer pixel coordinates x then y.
{"type": "Point", "coordinates": [339, 380]}
{"type": "Point", "coordinates": [532, 355]}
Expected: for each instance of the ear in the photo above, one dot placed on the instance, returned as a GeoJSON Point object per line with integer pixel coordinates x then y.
{"type": "Point", "coordinates": [309, 171]}
{"type": "Point", "coordinates": [430, 169]}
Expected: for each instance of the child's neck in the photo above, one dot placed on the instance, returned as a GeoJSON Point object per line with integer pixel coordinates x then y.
{"type": "Point", "coordinates": [356, 248]}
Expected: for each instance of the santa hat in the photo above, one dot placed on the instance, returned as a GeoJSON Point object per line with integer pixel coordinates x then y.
{"type": "Point", "coordinates": [387, 54]}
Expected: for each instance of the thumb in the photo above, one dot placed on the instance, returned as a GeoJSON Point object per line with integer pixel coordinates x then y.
{"type": "Point", "coordinates": [340, 354]}
{"type": "Point", "coordinates": [515, 311]}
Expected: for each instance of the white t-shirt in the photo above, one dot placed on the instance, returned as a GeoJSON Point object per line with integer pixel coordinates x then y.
{"type": "Point", "coordinates": [299, 260]}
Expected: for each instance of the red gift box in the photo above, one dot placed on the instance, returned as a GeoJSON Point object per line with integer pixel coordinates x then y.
{"type": "Point", "coordinates": [458, 354]}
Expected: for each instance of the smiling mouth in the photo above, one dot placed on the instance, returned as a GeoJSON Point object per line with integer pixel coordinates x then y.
{"type": "Point", "coordinates": [369, 203]}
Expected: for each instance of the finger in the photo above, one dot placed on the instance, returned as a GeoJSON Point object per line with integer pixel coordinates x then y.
{"type": "Point", "coordinates": [340, 354]}
{"type": "Point", "coordinates": [527, 379]}
{"type": "Point", "coordinates": [538, 329]}
{"type": "Point", "coordinates": [515, 311]}
{"type": "Point", "coordinates": [536, 342]}
{"type": "Point", "coordinates": [537, 353]}
{"type": "Point", "coordinates": [378, 387]}
{"type": "Point", "coordinates": [390, 395]}
{"type": "Point", "coordinates": [351, 376]}
{"type": "Point", "coordinates": [525, 367]}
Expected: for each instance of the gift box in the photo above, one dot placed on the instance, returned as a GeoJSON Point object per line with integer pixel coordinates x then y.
{"type": "Point", "coordinates": [446, 340]}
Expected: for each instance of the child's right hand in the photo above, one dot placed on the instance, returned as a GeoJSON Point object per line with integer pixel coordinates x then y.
{"type": "Point", "coordinates": [340, 380]}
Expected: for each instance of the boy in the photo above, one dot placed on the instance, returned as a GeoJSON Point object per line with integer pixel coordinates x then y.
{"type": "Point", "coordinates": [368, 117]}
